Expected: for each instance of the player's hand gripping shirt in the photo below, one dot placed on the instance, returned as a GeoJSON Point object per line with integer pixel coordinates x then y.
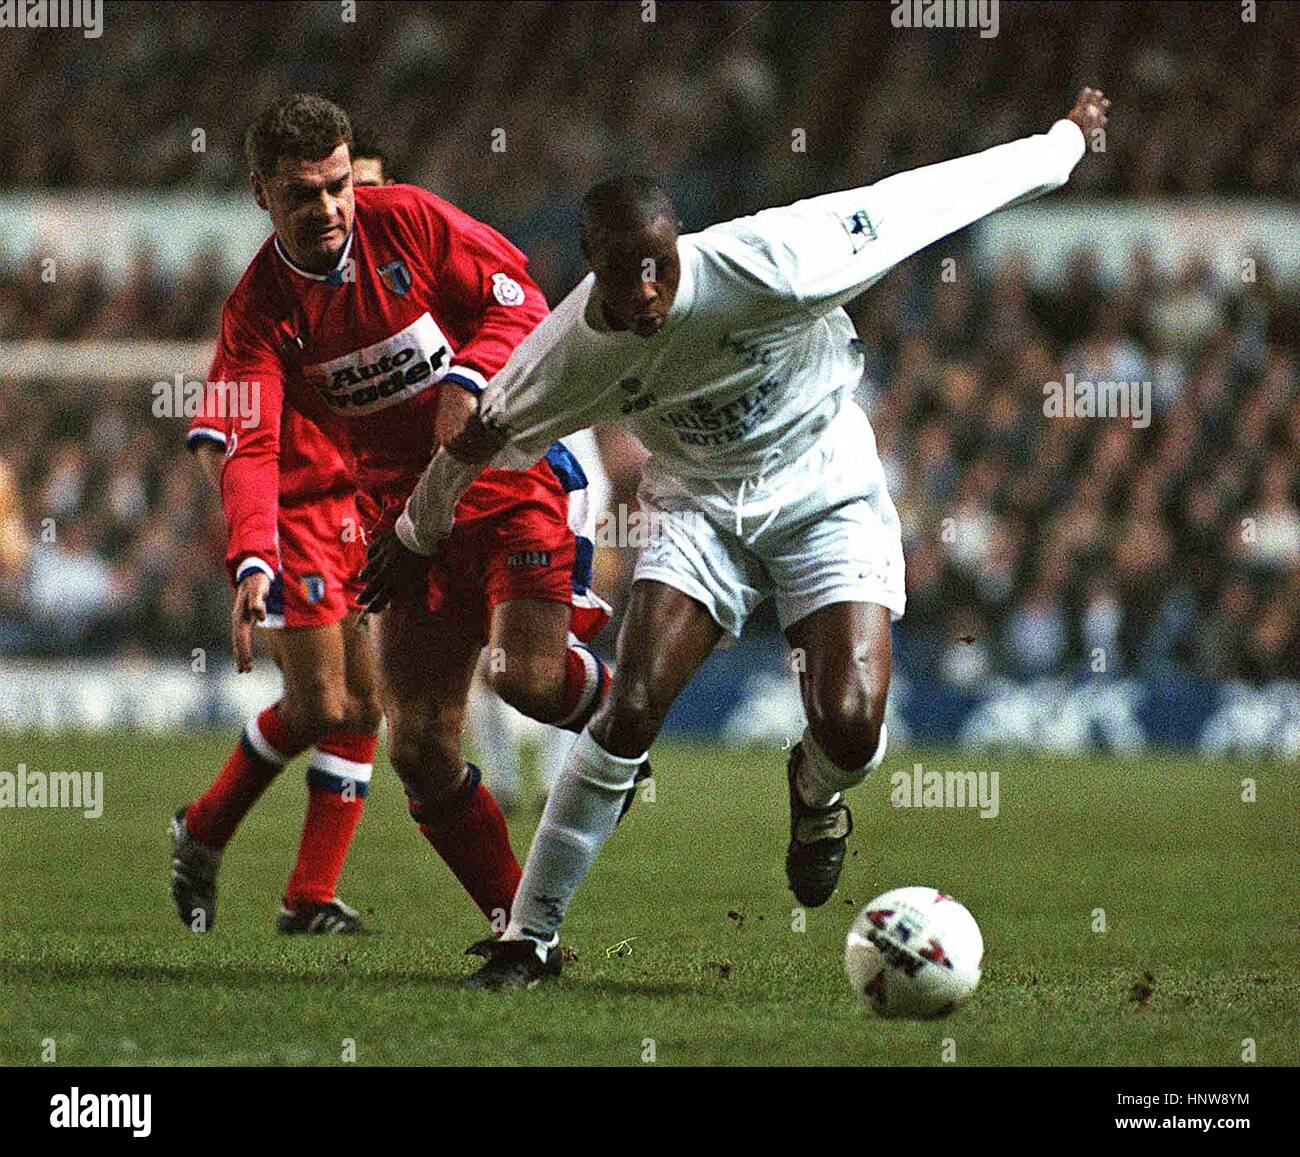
{"type": "Point", "coordinates": [423, 295]}
{"type": "Point", "coordinates": [755, 359]}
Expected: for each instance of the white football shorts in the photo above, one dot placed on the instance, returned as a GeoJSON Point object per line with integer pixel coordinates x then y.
{"type": "Point", "coordinates": [817, 530]}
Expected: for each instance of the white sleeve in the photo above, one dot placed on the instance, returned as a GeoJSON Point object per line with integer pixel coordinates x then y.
{"type": "Point", "coordinates": [824, 251]}
{"type": "Point", "coordinates": [550, 387]}
{"type": "Point", "coordinates": [431, 507]}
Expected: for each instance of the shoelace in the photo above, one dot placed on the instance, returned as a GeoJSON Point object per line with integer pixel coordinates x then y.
{"type": "Point", "coordinates": [814, 828]}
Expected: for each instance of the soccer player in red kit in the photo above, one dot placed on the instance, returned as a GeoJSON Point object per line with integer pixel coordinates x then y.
{"type": "Point", "coordinates": [379, 314]}
{"type": "Point", "coordinates": [330, 701]}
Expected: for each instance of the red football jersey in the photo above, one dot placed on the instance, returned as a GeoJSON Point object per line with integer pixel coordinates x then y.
{"type": "Point", "coordinates": [311, 467]}
{"type": "Point", "coordinates": [422, 294]}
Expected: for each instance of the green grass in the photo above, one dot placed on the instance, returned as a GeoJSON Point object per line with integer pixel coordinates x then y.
{"type": "Point", "coordinates": [1198, 889]}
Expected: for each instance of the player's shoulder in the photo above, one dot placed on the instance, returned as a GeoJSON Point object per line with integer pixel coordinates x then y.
{"type": "Point", "coordinates": [739, 251]}
{"type": "Point", "coordinates": [395, 197]}
{"type": "Point", "coordinates": [410, 202]}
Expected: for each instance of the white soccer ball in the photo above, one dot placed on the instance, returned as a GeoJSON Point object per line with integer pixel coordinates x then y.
{"type": "Point", "coordinates": [914, 952]}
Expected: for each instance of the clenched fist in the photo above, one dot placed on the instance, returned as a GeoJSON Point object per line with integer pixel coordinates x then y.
{"type": "Point", "coordinates": [1089, 111]}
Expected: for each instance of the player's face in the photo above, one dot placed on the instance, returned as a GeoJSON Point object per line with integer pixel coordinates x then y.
{"type": "Point", "coordinates": [311, 207]}
{"type": "Point", "coordinates": [367, 171]}
{"type": "Point", "coordinates": [638, 274]}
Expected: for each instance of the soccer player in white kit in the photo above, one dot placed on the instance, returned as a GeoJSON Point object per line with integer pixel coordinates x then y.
{"type": "Point", "coordinates": [728, 353]}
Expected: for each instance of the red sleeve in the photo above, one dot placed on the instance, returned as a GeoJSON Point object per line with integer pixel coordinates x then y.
{"type": "Point", "coordinates": [250, 482]}
{"type": "Point", "coordinates": [485, 278]}
{"type": "Point", "coordinates": [210, 423]}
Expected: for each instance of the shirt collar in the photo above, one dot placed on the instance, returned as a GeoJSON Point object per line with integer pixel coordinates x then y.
{"type": "Point", "coordinates": [684, 302]}
{"type": "Point", "coordinates": [334, 276]}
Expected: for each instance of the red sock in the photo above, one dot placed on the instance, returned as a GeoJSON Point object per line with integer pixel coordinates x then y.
{"type": "Point", "coordinates": [338, 778]}
{"type": "Point", "coordinates": [263, 749]}
{"type": "Point", "coordinates": [470, 835]}
{"type": "Point", "coordinates": [586, 680]}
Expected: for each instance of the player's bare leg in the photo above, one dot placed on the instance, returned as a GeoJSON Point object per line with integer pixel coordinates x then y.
{"type": "Point", "coordinates": [526, 656]}
{"type": "Point", "coordinates": [314, 661]}
{"type": "Point", "coordinates": [665, 637]}
{"type": "Point", "coordinates": [426, 664]}
{"type": "Point", "coordinates": [533, 665]}
{"type": "Point", "coordinates": [329, 700]}
{"type": "Point", "coordinates": [844, 652]}
{"type": "Point", "coordinates": [425, 668]}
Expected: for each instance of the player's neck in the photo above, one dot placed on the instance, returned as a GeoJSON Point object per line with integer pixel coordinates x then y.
{"type": "Point", "coordinates": [321, 267]}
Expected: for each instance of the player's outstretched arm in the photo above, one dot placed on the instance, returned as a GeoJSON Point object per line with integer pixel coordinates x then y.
{"type": "Point", "coordinates": [826, 250]}
{"type": "Point", "coordinates": [249, 479]}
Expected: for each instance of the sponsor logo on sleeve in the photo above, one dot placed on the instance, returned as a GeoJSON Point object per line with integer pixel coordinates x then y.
{"type": "Point", "coordinates": [859, 228]}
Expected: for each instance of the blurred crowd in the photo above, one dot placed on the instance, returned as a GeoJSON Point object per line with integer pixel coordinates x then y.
{"type": "Point", "coordinates": [513, 109]}
{"type": "Point", "coordinates": [1035, 544]}
{"type": "Point", "coordinates": [110, 539]}
{"type": "Point", "coordinates": [1040, 544]}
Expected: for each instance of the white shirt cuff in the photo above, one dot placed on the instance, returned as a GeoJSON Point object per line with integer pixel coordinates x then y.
{"type": "Point", "coordinates": [249, 565]}
{"type": "Point", "coordinates": [467, 379]}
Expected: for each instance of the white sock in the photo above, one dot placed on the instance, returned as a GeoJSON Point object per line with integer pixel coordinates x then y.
{"type": "Point", "coordinates": [552, 754]}
{"type": "Point", "coordinates": [495, 739]}
{"type": "Point", "coordinates": [820, 781]}
{"type": "Point", "coordinates": [580, 816]}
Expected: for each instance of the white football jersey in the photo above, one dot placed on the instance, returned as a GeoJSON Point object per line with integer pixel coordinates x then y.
{"type": "Point", "coordinates": [756, 356]}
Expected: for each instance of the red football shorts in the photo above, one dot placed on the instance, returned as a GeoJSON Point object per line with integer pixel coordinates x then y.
{"type": "Point", "coordinates": [512, 540]}
{"type": "Point", "coordinates": [322, 551]}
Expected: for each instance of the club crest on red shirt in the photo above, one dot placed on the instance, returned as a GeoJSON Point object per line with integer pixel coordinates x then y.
{"type": "Point", "coordinates": [396, 276]}
{"type": "Point", "coordinates": [313, 588]}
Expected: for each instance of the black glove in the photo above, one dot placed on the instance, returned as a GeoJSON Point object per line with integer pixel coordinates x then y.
{"type": "Point", "coordinates": [390, 568]}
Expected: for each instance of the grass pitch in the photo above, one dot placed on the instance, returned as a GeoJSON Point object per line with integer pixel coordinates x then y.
{"type": "Point", "coordinates": [1197, 887]}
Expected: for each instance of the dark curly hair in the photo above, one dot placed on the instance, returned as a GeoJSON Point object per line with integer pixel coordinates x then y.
{"type": "Point", "coordinates": [302, 126]}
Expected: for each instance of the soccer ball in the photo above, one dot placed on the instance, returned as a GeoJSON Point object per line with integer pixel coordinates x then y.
{"type": "Point", "coordinates": [914, 952]}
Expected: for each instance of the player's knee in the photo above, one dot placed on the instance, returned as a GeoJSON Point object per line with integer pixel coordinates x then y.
{"type": "Point", "coordinates": [847, 726]}
{"type": "Point", "coordinates": [316, 708]}
{"type": "Point", "coordinates": [425, 752]}
{"type": "Point", "coordinates": [532, 684]}
{"type": "Point", "coordinates": [632, 716]}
